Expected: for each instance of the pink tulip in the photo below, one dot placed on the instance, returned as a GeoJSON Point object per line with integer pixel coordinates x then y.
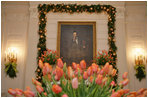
{"type": "Point", "coordinates": [99, 79]}
{"type": "Point", "coordinates": [101, 72]}
{"type": "Point", "coordinates": [12, 92]}
{"type": "Point", "coordinates": [45, 93]}
{"type": "Point", "coordinates": [104, 80]}
{"type": "Point", "coordinates": [98, 70]}
{"type": "Point", "coordinates": [39, 89]}
{"type": "Point", "coordinates": [64, 95]}
{"type": "Point", "coordinates": [60, 63]}
{"type": "Point", "coordinates": [19, 92]}
{"type": "Point", "coordinates": [85, 76]}
{"type": "Point", "coordinates": [28, 93]}
{"type": "Point", "coordinates": [124, 76]}
{"type": "Point", "coordinates": [75, 83]}
{"type": "Point", "coordinates": [83, 64]}
{"type": "Point", "coordinates": [59, 72]}
{"type": "Point", "coordinates": [112, 83]}
{"type": "Point", "coordinates": [94, 67]}
{"type": "Point", "coordinates": [140, 91]}
{"type": "Point", "coordinates": [40, 64]}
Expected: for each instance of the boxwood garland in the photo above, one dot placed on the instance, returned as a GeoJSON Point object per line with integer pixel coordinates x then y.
{"type": "Point", "coordinates": [74, 8]}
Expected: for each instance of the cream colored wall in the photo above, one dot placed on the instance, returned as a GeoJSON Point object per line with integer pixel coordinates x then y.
{"type": "Point", "coordinates": [15, 16]}
{"type": "Point", "coordinates": [136, 36]}
{"type": "Point", "coordinates": [28, 27]}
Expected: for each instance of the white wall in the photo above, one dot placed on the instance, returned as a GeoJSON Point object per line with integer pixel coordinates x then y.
{"type": "Point", "coordinates": [136, 36]}
{"type": "Point", "coordinates": [28, 27]}
{"type": "Point", "coordinates": [15, 16]}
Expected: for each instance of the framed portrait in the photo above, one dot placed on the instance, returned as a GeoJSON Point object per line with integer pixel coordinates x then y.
{"type": "Point", "coordinates": [76, 41]}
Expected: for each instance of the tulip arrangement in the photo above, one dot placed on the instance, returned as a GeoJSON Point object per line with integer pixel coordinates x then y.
{"type": "Point", "coordinates": [103, 57]}
{"type": "Point", "coordinates": [78, 81]}
{"type": "Point", "coordinates": [49, 56]}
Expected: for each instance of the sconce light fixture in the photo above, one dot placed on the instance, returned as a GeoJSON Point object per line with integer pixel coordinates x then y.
{"type": "Point", "coordinates": [11, 62]}
{"type": "Point", "coordinates": [11, 55]}
{"type": "Point", "coordinates": [139, 63]}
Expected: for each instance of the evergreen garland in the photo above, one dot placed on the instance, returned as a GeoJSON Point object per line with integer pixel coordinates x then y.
{"type": "Point", "coordinates": [74, 8]}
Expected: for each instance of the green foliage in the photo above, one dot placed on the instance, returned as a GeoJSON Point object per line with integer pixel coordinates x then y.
{"type": "Point", "coordinates": [10, 69]}
{"type": "Point", "coordinates": [140, 72]}
{"type": "Point", "coordinates": [50, 57]}
{"type": "Point", "coordinates": [74, 8]}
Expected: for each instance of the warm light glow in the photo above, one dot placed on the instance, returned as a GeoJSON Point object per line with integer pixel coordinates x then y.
{"type": "Point", "coordinates": [139, 52]}
{"type": "Point", "coordinates": [11, 54]}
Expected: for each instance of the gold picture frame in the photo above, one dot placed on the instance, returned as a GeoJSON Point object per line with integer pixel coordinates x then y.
{"type": "Point", "coordinates": [93, 23]}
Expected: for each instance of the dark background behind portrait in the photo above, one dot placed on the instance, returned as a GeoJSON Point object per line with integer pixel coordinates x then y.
{"type": "Point", "coordinates": [83, 50]}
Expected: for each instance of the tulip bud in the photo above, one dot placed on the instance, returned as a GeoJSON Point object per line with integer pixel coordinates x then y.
{"type": "Point", "coordinates": [39, 89]}
{"type": "Point", "coordinates": [70, 72]}
{"type": "Point", "coordinates": [47, 68]}
{"type": "Point", "coordinates": [45, 93]}
{"type": "Point", "coordinates": [35, 82]}
{"type": "Point", "coordinates": [60, 63]}
{"type": "Point", "coordinates": [40, 64]}
{"type": "Point", "coordinates": [114, 72]}
{"type": "Point", "coordinates": [91, 79]}
{"type": "Point", "coordinates": [75, 83]}
{"type": "Point", "coordinates": [19, 92]}
{"type": "Point", "coordinates": [115, 94]}
{"type": "Point", "coordinates": [124, 76]}
{"type": "Point", "coordinates": [106, 68]}
{"type": "Point", "coordinates": [124, 82]}
{"type": "Point", "coordinates": [83, 64]}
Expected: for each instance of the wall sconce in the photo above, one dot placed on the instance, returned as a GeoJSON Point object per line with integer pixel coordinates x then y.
{"type": "Point", "coordinates": [139, 63]}
{"type": "Point", "coordinates": [11, 59]}
{"type": "Point", "coordinates": [139, 56]}
{"type": "Point", "coordinates": [11, 55]}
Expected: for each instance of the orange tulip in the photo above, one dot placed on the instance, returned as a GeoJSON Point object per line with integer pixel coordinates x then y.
{"type": "Point", "coordinates": [28, 93]}
{"type": "Point", "coordinates": [126, 91]}
{"type": "Point", "coordinates": [59, 72]}
{"type": "Point", "coordinates": [124, 76]}
{"type": "Point", "coordinates": [89, 71]}
{"type": "Point", "coordinates": [47, 68]}
{"type": "Point", "coordinates": [121, 92]}
{"type": "Point", "coordinates": [83, 64]}
{"type": "Point", "coordinates": [101, 72]}
{"type": "Point", "coordinates": [110, 69]}
{"type": "Point", "coordinates": [115, 94]}
{"type": "Point", "coordinates": [140, 91]}
{"type": "Point", "coordinates": [35, 82]}
{"type": "Point", "coordinates": [49, 77]}
{"type": "Point", "coordinates": [98, 70]}
{"type": "Point", "coordinates": [91, 79]}
{"type": "Point", "coordinates": [56, 89]}
{"type": "Point", "coordinates": [12, 92]}
{"type": "Point", "coordinates": [74, 65]}
{"type": "Point", "coordinates": [114, 72]}
{"type": "Point", "coordinates": [94, 67]}
{"type": "Point", "coordinates": [85, 76]}
{"type": "Point", "coordinates": [28, 88]}
{"type": "Point", "coordinates": [106, 68]}
{"type": "Point", "coordinates": [75, 83]}
{"type": "Point", "coordinates": [99, 79]}
{"type": "Point", "coordinates": [104, 80]}
{"type": "Point", "coordinates": [64, 95]}
{"type": "Point", "coordinates": [60, 63]}
{"type": "Point", "coordinates": [39, 89]}
{"type": "Point", "coordinates": [40, 64]}
{"type": "Point", "coordinates": [124, 82]}
{"type": "Point", "coordinates": [70, 72]}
